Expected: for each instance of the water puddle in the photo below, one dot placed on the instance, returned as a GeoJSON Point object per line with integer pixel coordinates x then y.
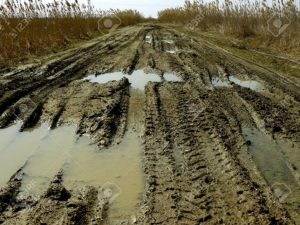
{"type": "Point", "coordinates": [268, 156]}
{"type": "Point", "coordinates": [148, 39]}
{"type": "Point", "coordinates": [252, 84]}
{"type": "Point", "coordinates": [218, 82]}
{"type": "Point", "coordinates": [16, 148]}
{"type": "Point", "coordinates": [138, 78]}
{"type": "Point", "coordinates": [52, 152]}
{"type": "Point", "coordinates": [119, 166]}
{"type": "Point", "coordinates": [172, 77]}
{"type": "Point", "coordinates": [46, 152]}
{"type": "Point", "coordinates": [172, 51]}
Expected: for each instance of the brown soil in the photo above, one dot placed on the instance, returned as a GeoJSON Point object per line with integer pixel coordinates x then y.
{"type": "Point", "coordinates": [197, 164]}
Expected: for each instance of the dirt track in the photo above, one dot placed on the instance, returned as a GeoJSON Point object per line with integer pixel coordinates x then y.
{"type": "Point", "coordinates": [197, 160]}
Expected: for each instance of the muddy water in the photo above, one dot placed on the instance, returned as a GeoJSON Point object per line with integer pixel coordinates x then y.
{"type": "Point", "coordinates": [268, 156]}
{"type": "Point", "coordinates": [52, 152]}
{"type": "Point", "coordinates": [252, 84]}
{"type": "Point", "coordinates": [171, 77]}
{"type": "Point", "coordinates": [119, 166]}
{"type": "Point", "coordinates": [148, 39]}
{"type": "Point", "coordinates": [16, 148]}
{"type": "Point", "coordinates": [46, 152]}
{"type": "Point", "coordinates": [138, 79]}
{"type": "Point", "coordinates": [172, 51]}
{"type": "Point", "coordinates": [218, 82]}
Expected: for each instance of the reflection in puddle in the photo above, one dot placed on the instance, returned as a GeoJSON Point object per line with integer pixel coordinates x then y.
{"type": "Point", "coordinates": [16, 147]}
{"type": "Point", "coordinates": [138, 79]}
{"type": "Point", "coordinates": [48, 151]}
{"type": "Point", "coordinates": [270, 161]}
{"type": "Point", "coordinates": [49, 157]}
{"type": "Point", "coordinates": [171, 77]}
{"type": "Point", "coordinates": [218, 82]}
{"type": "Point", "coordinates": [148, 39]}
{"type": "Point", "coordinates": [252, 84]}
{"type": "Point", "coordinates": [172, 51]}
{"type": "Point", "coordinates": [119, 165]}
{"type": "Point", "coordinates": [267, 154]}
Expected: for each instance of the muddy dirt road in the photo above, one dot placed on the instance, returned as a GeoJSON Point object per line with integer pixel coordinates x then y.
{"type": "Point", "coordinates": [189, 134]}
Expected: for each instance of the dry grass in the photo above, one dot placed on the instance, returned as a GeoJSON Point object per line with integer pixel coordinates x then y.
{"type": "Point", "coordinates": [33, 28]}
{"type": "Point", "coordinates": [250, 21]}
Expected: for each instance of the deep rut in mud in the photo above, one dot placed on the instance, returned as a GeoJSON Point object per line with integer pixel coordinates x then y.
{"type": "Point", "coordinates": [186, 134]}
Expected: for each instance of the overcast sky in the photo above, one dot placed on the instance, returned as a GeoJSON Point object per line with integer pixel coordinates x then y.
{"type": "Point", "coordinates": [147, 7]}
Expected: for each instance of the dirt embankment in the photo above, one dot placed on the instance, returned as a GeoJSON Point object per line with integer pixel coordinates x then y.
{"type": "Point", "coordinates": [197, 164]}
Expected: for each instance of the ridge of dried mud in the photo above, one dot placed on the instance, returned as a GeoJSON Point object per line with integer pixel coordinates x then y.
{"type": "Point", "coordinates": [195, 171]}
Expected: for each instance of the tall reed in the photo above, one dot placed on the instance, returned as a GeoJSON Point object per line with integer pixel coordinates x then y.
{"type": "Point", "coordinates": [276, 24]}
{"type": "Point", "coordinates": [32, 27]}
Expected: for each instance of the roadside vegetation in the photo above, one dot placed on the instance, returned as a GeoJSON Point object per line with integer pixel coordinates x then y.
{"type": "Point", "coordinates": [32, 27]}
{"type": "Point", "coordinates": [254, 23]}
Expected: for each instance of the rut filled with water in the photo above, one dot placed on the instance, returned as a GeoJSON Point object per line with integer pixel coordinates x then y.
{"type": "Point", "coordinates": [268, 155]}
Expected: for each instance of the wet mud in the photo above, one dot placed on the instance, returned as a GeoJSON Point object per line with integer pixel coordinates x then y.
{"type": "Point", "coordinates": [147, 125]}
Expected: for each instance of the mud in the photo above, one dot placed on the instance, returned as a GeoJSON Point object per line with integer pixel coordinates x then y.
{"type": "Point", "coordinates": [171, 106]}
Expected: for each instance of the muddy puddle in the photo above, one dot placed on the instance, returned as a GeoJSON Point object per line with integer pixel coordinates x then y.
{"type": "Point", "coordinates": [138, 79]}
{"type": "Point", "coordinates": [118, 167]}
{"type": "Point", "coordinates": [251, 84]}
{"type": "Point", "coordinates": [172, 51]}
{"type": "Point", "coordinates": [16, 148]}
{"type": "Point", "coordinates": [268, 156]}
{"type": "Point", "coordinates": [46, 152]}
{"type": "Point", "coordinates": [148, 39]}
{"type": "Point", "coordinates": [48, 158]}
{"type": "Point", "coordinates": [172, 77]}
{"type": "Point", "coordinates": [218, 82]}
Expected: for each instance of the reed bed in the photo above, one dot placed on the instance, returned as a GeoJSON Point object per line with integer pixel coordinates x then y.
{"type": "Point", "coordinates": [32, 27]}
{"type": "Point", "coordinates": [256, 22]}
